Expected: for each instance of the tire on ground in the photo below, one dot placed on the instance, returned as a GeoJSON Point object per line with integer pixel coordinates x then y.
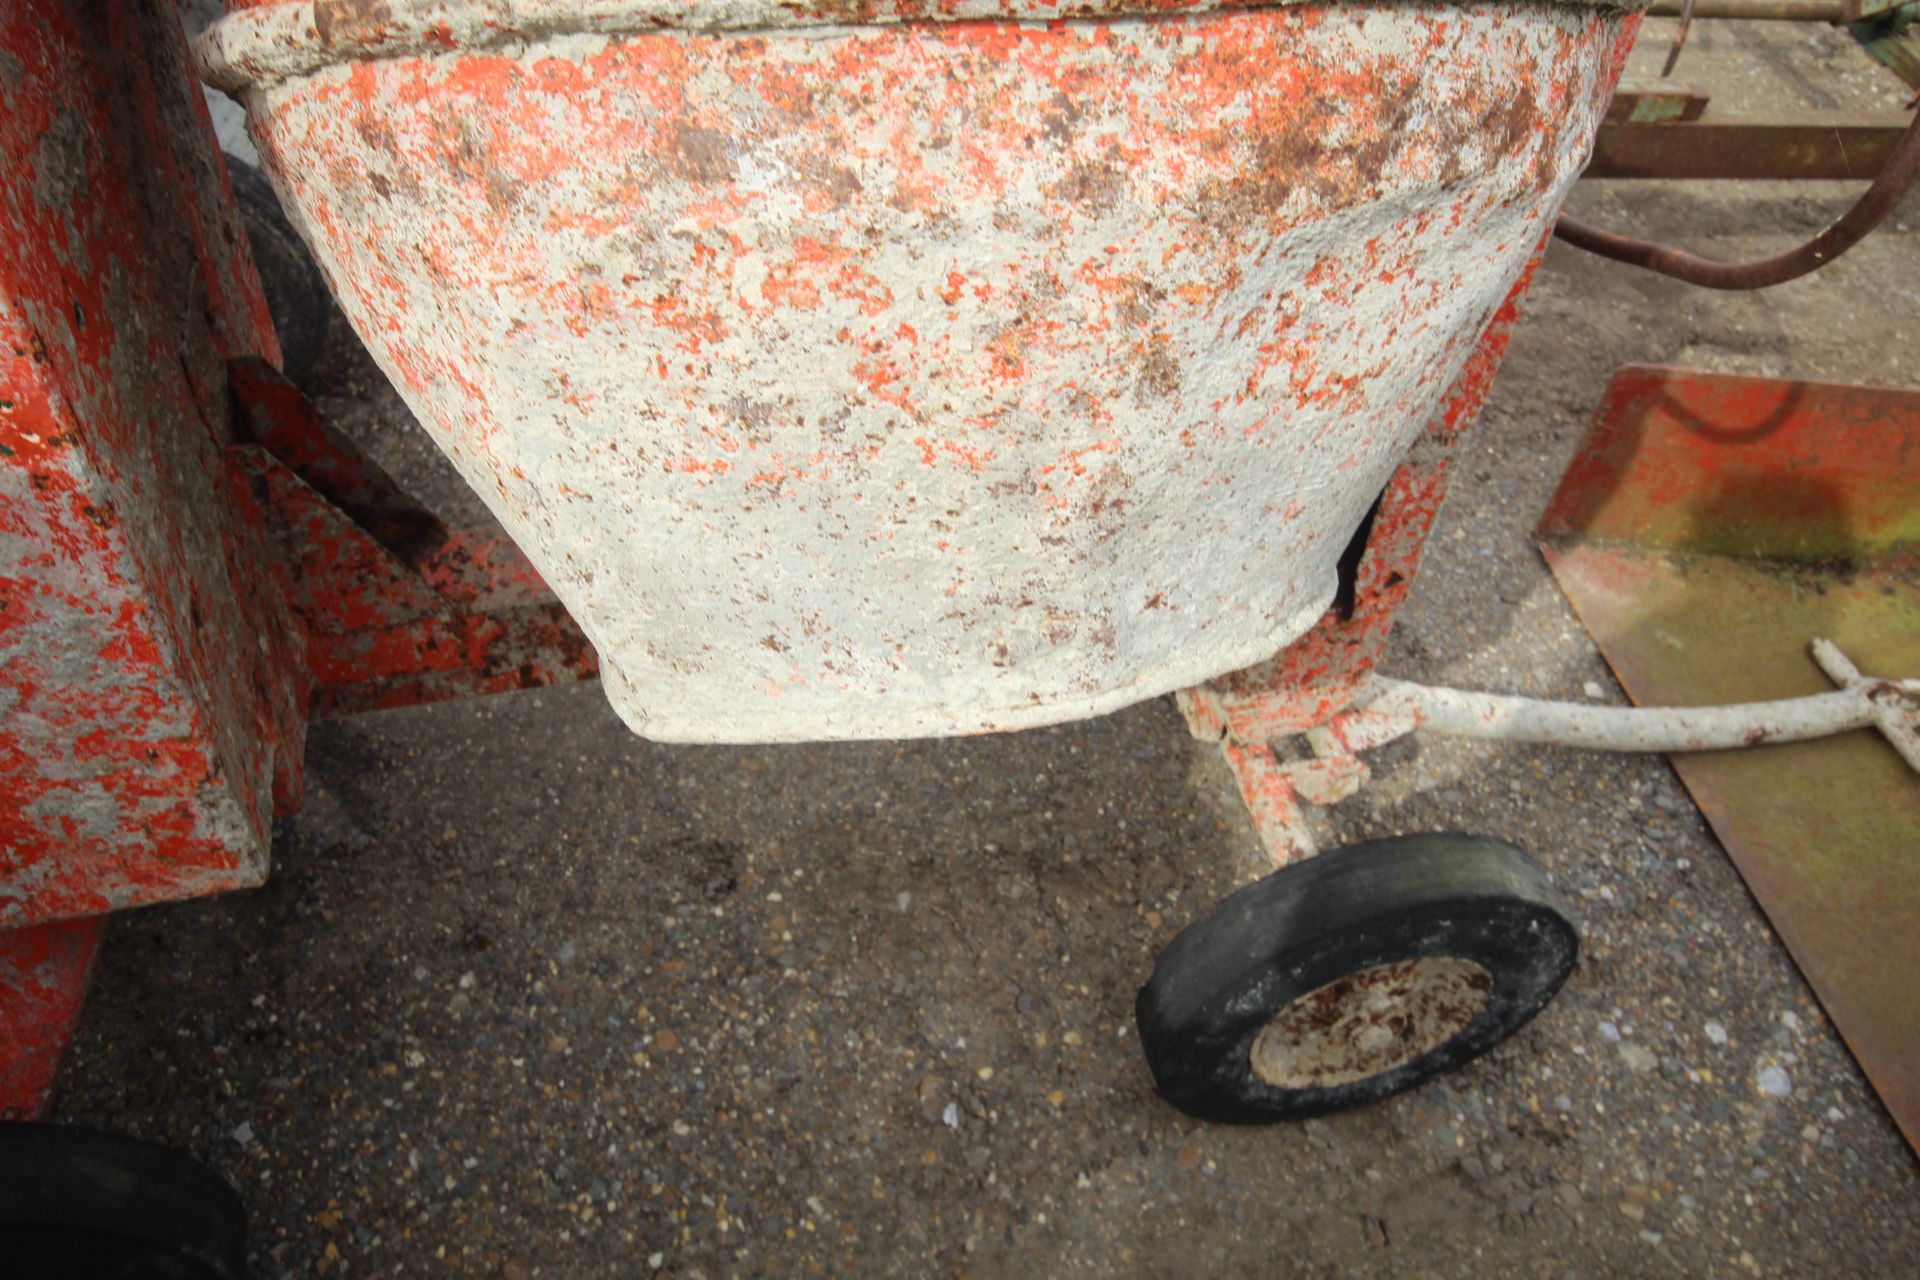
{"type": "Point", "coordinates": [1351, 976]}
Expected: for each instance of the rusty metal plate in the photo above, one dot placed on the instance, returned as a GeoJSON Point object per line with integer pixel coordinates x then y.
{"type": "Point", "coordinates": [1831, 145]}
{"type": "Point", "coordinates": [1709, 529]}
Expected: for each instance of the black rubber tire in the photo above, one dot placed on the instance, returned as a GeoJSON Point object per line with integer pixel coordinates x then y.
{"type": "Point", "coordinates": [78, 1204]}
{"type": "Point", "coordinates": [1442, 894]}
{"type": "Point", "coordinates": [297, 296]}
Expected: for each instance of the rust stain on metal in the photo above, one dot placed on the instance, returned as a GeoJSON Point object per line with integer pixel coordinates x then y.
{"type": "Point", "coordinates": [1316, 677]}
{"type": "Point", "coordinates": [1368, 1023]}
{"type": "Point", "coordinates": [350, 21]}
{"type": "Point", "coordinates": [924, 348]}
{"type": "Point", "coordinates": [1709, 527]}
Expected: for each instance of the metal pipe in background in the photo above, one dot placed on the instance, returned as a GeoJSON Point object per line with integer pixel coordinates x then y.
{"type": "Point", "coordinates": [1902, 168]}
{"type": "Point", "coordinates": [1831, 11]}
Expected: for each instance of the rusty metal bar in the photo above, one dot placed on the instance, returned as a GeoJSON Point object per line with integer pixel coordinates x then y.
{"type": "Point", "coordinates": [1837, 146]}
{"type": "Point", "coordinates": [1679, 38]}
{"type": "Point", "coordinates": [1831, 11]}
{"type": "Point", "coordinates": [1866, 213]}
{"type": "Point", "coordinates": [1272, 802]}
{"type": "Point", "coordinates": [1657, 103]}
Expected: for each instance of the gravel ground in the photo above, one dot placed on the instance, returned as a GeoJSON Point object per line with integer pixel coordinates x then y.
{"type": "Point", "coordinates": [527, 996]}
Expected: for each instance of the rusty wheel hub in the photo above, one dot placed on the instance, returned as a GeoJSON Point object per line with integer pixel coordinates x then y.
{"type": "Point", "coordinates": [1367, 1023]}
